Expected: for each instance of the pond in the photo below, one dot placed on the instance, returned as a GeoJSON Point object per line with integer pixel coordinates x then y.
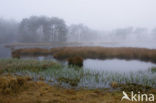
{"type": "Point", "coordinates": [95, 73]}
{"type": "Point", "coordinates": [117, 65]}
{"type": "Point", "coordinates": [4, 52]}
{"type": "Point", "coordinates": [98, 73]}
{"type": "Point", "coordinates": [110, 65]}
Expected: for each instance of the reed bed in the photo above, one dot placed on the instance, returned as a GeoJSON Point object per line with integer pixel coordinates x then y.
{"type": "Point", "coordinates": [91, 52]}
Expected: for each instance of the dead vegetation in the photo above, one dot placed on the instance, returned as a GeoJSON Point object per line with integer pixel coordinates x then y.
{"type": "Point", "coordinates": [23, 90]}
{"type": "Point", "coordinates": [13, 84]}
{"type": "Point", "coordinates": [91, 52]}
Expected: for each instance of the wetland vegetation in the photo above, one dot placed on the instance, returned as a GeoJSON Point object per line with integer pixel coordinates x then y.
{"type": "Point", "coordinates": [58, 83]}
{"type": "Point", "coordinates": [91, 52]}
{"type": "Point", "coordinates": [53, 57]}
{"type": "Point", "coordinates": [73, 76]}
{"type": "Point", "coordinates": [77, 75]}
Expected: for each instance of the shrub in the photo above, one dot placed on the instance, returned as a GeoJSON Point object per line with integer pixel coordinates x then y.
{"type": "Point", "coordinates": [76, 61]}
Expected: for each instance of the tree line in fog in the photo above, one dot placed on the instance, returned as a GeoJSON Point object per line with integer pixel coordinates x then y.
{"type": "Point", "coordinates": [46, 29]}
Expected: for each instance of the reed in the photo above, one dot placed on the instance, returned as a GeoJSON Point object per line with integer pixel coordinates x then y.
{"type": "Point", "coordinates": [91, 52]}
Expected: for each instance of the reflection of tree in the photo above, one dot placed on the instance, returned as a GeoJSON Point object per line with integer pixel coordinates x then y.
{"type": "Point", "coordinates": [36, 29]}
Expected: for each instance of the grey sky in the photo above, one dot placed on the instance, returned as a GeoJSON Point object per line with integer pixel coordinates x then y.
{"type": "Point", "coordinates": [98, 14]}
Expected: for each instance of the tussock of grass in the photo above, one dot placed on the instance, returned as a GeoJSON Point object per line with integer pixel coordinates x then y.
{"type": "Point", "coordinates": [40, 92]}
{"type": "Point", "coordinates": [92, 52]}
{"type": "Point", "coordinates": [12, 84]}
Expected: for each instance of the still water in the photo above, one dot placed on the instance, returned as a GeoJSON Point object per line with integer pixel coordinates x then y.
{"type": "Point", "coordinates": [111, 65]}
{"type": "Point", "coordinates": [117, 65]}
{"type": "Point", "coordinates": [100, 73]}
{"type": "Point", "coordinates": [4, 52]}
{"type": "Point", "coordinates": [97, 73]}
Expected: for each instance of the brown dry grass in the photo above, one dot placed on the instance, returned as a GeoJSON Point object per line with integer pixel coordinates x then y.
{"type": "Point", "coordinates": [30, 51]}
{"type": "Point", "coordinates": [92, 52]}
{"type": "Point", "coordinates": [40, 92]}
{"type": "Point", "coordinates": [12, 84]}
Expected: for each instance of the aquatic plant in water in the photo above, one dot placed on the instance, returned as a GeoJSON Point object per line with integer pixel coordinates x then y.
{"type": "Point", "coordinates": [72, 76]}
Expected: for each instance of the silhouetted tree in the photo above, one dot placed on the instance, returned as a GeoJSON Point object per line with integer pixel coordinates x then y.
{"type": "Point", "coordinates": [36, 29]}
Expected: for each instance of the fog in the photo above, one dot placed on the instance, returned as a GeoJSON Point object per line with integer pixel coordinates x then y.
{"type": "Point", "coordinates": [97, 14]}
{"type": "Point", "coordinates": [77, 21]}
{"type": "Point", "coordinates": [51, 29]}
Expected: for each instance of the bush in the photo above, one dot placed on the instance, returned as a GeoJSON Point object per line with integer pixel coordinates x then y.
{"type": "Point", "coordinates": [76, 61]}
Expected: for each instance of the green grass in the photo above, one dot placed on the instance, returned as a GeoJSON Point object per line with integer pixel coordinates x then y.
{"type": "Point", "coordinates": [68, 76]}
{"type": "Point", "coordinates": [153, 70]}
{"type": "Point", "coordinates": [12, 65]}
{"type": "Point", "coordinates": [79, 77]}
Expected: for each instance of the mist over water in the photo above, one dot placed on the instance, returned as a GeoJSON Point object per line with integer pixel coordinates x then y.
{"type": "Point", "coordinates": [77, 51]}
{"type": "Point", "coordinates": [52, 29]}
{"type": "Point", "coordinates": [43, 29]}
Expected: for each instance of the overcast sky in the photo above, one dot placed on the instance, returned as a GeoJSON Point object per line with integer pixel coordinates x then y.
{"type": "Point", "coordinates": [97, 14]}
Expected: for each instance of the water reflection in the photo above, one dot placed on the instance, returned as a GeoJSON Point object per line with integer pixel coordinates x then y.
{"type": "Point", "coordinates": [4, 52]}
{"type": "Point", "coordinates": [117, 65]}
{"type": "Point", "coordinates": [41, 58]}
{"type": "Point", "coordinates": [111, 65]}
